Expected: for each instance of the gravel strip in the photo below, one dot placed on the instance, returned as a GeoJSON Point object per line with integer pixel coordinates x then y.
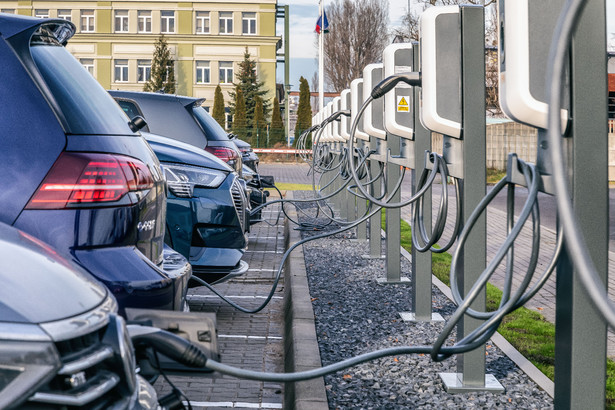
{"type": "Point", "coordinates": [355, 314]}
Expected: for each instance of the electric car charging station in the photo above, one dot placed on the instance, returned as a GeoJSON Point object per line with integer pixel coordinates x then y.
{"type": "Point", "coordinates": [365, 139]}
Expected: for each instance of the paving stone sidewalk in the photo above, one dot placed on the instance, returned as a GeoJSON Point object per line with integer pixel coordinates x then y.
{"type": "Point", "coordinates": [249, 341]}
{"type": "Point", "coordinates": [543, 302]}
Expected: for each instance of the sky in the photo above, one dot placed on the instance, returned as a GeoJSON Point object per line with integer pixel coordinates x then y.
{"type": "Point", "coordinates": [303, 51]}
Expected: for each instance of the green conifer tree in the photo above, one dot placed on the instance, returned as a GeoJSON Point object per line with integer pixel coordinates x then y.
{"type": "Point", "coordinates": [276, 130]}
{"type": "Point", "coordinates": [218, 108]}
{"type": "Point", "coordinates": [163, 69]}
{"type": "Point", "coordinates": [259, 124]}
{"type": "Point", "coordinates": [239, 117]}
{"type": "Point", "coordinates": [304, 111]}
{"type": "Point", "coordinates": [251, 88]}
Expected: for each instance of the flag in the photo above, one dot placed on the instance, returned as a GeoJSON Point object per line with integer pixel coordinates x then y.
{"type": "Point", "coordinates": [320, 26]}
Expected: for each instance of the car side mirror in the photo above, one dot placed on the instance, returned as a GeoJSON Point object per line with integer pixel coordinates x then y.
{"type": "Point", "coordinates": [137, 123]}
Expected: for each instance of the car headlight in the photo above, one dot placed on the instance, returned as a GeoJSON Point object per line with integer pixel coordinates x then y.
{"type": "Point", "coordinates": [26, 364]}
{"type": "Point", "coordinates": [182, 179]}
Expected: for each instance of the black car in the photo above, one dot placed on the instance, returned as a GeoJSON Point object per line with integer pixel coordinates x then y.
{"type": "Point", "coordinates": [183, 119]}
{"type": "Point", "coordinates": [248, 156]}
{"type": "Point", "coordinates": [75, 174]}
{"type": "Point", "coordinates": [207, 210]}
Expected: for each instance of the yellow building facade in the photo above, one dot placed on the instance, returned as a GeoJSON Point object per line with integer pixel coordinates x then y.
{"type": "Point", "coordinates": [207, 39]}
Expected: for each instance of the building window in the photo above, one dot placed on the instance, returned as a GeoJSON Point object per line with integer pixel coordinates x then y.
{"type": "Point", "coordinates": [121, 71]}
{"type": "Point", "coordinates": [202, 72]}
{"type": "Point", "coordinates": [145, 21]}
{"type": "Point", "coordinates": [41, 13]}
{"type": "Point", "coordinates": [226, 22]}
{"type": "Point", "coordinates": [202, 22]}
{"type": "Point", "coordinates": [7, 11]}
{"type": "Point", "coordinates": [87, 21]}
{"type": "Point", "coordinates": [144, 70]}
{"type": "Point", "coordinates": [226, 71]}
{"type": "Point", "coordinates": [121, 21]}
{"type": "Point", "coordinates": [88, 64]}
{"type": "Point", "coordinates": [167, 21]}
{"type": "Point", "coordinates": [65, 15]}
{"type": "Point", "coordinates": [249, 23]}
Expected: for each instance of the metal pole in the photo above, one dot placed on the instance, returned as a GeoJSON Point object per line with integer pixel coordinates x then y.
{"type": "Point", "coordinates": [471, 374]}
{"type": "Point", "coordinates": [580, 344]}
{"type": "Point", "coordinates": [287, 71]}
{"type": "Point", "coordinates": [321, 58]}
{"type": "Point", "coordinates": [421, 261]}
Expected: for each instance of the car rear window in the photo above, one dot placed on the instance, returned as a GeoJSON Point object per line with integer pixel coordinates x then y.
{"type": "Point", "coordinates": [87, 107]}
{"type": "Point", "coordinates": [213, 130]}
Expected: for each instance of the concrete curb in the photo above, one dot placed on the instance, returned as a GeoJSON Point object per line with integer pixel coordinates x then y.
{"type": "Point", "coordinates": [300, 344]}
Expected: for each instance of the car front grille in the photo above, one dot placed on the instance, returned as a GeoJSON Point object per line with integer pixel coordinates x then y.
{"type": "Point", "coordinates": [98, 371]}
{"type": "Point", "coordinates": [239, 200]}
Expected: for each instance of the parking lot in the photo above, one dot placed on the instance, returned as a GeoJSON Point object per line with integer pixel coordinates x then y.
{"type": "Point", "coordinates": [248, 341]}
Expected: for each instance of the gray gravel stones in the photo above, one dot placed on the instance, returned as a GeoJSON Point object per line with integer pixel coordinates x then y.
{"type": "Point", "coordinates": [355, 314]}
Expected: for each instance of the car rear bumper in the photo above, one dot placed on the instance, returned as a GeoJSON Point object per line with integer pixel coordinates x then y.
{"type": "Point", "coordinates": [149, 287]}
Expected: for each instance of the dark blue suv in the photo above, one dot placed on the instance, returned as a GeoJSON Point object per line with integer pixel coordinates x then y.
{"type": "Point", "coordinates": [74, 173]}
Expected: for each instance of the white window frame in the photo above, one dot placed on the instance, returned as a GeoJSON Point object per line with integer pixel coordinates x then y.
{"type": "Point", "coordinates": [88, 23]}
{"type": "Point", "coordinates": [65, 14]}
{"type": "Point", "coordinates": [7, 11]}
{"type": "Point", "coordinates": [167, 22]}
{"type": "Point", "coordinates": [250, 19]}
{"type": "Point", "coordinates": [41, 13]}
{"type": "Point", "coordinates": [203, 67]}
{"type": "Point", "coordinates": [223, 72]}
{"type": "Point", "coordinates": [202, 17]}
{"type": "Point", "coordinates": [144, 19]}
{"type": "Point", "coordinates": [121, 17]}
{"type": "Point", "coordinates": [144, 70]}
{"type": "Point", "coordinates": [225, 21]}
{"type": "Point", "coordinates": [88, 64]}
{"type": "Point", "coordinates": [123, 73]}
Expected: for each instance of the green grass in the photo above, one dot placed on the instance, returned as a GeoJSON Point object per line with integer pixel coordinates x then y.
{"type": "Point", "coordinates": [528, 331]}
{"type": "Point", "coordinates": [284, 186]}
{"type": "Point", "coordinates": [494, 175]}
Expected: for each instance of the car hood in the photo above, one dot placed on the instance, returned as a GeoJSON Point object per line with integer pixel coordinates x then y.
{"type": "Point", "coordinates": [170, 150]}
{"type": "Point", "coordinates": [40, 286]}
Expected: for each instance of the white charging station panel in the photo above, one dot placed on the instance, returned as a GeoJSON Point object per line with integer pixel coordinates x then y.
{"type": "Point", "coordinates": [356, 91]}
{"type": "Point", "coordinates": [328, 133]}
{"type": "Point", "coordinates": [398, 110]}
{"type": "Point", "coordinates": [526, 29]}
{"type": "Point", "coordinates": [373, 121]}
{"type": "Point", "coordinates": [440, 38]}
{"type": "Point", "coordinates": [345, 103]}
{"type": "Point", "coordinates": [335, 107]}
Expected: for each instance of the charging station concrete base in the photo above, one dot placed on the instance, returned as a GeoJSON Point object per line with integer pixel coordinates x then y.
{"type": "Point", "coordinates": [385, 281]}
{"type": "Point", "coordinates": [453, 383]}
{"type": "Point", "coordinates": [411, 317]}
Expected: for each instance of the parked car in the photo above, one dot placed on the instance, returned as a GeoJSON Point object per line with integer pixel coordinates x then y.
{"type": "Point", "coordinates": [183, 119]}
{"type": "Point", "coordinates": [64, 345]}
{"type": "Point", "coordinates": [248, 156]}
{"type": "Point", "coordinates": [207, 210]}
{"type": "Point", "coordinates": [75, 174]}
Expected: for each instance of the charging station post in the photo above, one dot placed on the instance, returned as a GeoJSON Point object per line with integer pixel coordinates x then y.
{"type": "Point", "coordinates": [453, 104]}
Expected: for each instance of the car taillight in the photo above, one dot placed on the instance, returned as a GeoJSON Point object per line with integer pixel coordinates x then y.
{"type": "Point", "coordinates": [225, 154]}
{"type": "Point", "coordinates": [87, 179]}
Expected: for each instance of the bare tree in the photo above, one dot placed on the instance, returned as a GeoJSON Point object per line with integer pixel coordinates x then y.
{"type": "Point", "coordinates": [314, 84]}
{"type": "Point", "coordinates": [409, 29]}
{"type": "Point", "coordinates": [358, 33]}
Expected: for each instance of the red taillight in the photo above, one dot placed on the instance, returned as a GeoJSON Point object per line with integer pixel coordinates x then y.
{"type": "Point", "coordinates": [90, 179]}
{"type": "Point", "coordinates": [225, 154]}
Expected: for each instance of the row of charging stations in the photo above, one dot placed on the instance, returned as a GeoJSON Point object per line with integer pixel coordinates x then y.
{"type": "Point", "coordinates": [395, 131]}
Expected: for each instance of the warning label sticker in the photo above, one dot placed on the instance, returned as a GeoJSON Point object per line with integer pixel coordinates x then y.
{"type": "Point", "coordinates": [402, 104]}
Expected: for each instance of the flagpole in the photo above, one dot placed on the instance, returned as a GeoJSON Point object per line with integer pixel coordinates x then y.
{"type": "Point", "coordinates": [321, 60]}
